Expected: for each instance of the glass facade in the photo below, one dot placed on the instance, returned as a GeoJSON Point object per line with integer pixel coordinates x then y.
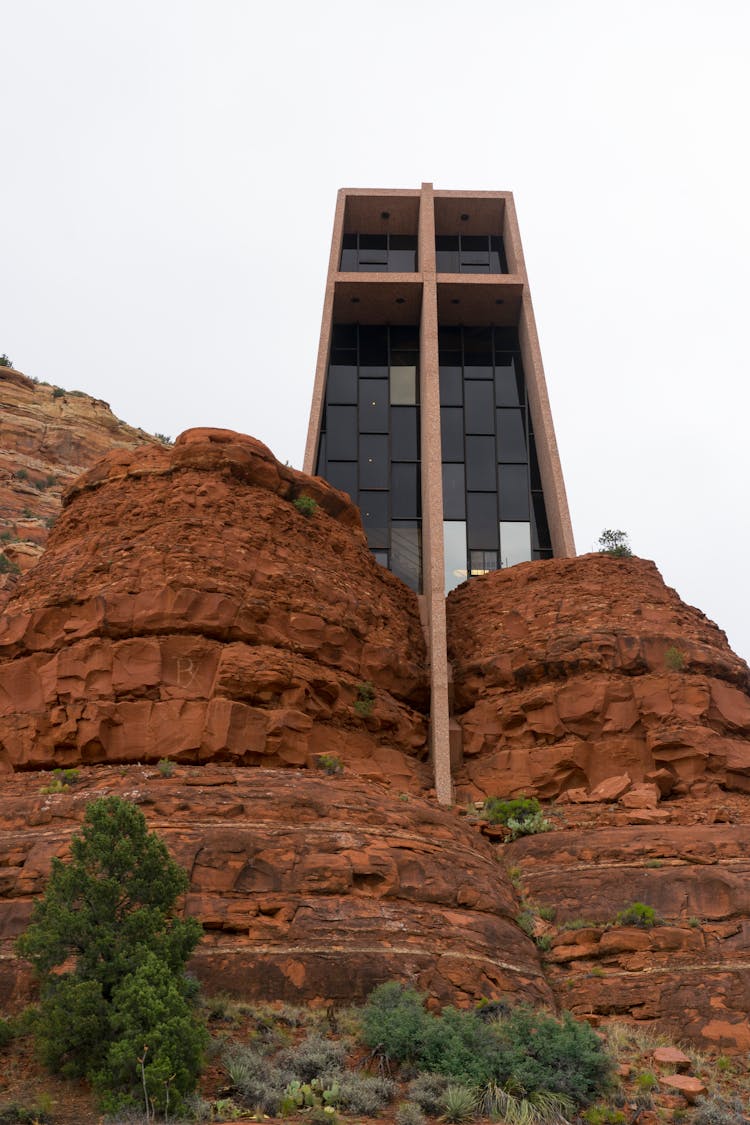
{"type": "Point", "coordinates": [470, 253]}
{"type": "Point", "coordinates": [493, 505]}
{"type": "Point", "coordinates": [379, 253]}
{"type": "Point", "coordinates": [369, 443]}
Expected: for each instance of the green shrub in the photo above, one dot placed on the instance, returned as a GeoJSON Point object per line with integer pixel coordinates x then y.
{"type": "Point", "coordinates": [58, 392]}
{"type": "Point", "coordinates": [330, 764]}
{"type": "Point", "coordinates": [306, 506]}
{"type": "Point", "coordinates": [646, 1080]}
{"type": "Point", "coordinates": [15, 1114]}
{"type": "Point", "coordinates": [5, 361]}
{"type": "Point", "coordinates": [164, 439]}
{"type": "Point", "coordinates": [313, 1057]}
{"type": "Point", "coordinates": [560, 1056]}
{"type": "Point", "coordinates": [121, 1016]}
{"type": "Point", "coordinates": [716, 1110]}
{"type": "Point", "coordinates": [603, 1115]}
{"type": "Point", "coordinates": [614, 543]}
{"type": "Point", "coordinates": [459, 1104]}
{"type": "Point", "coordinates": [7, 566]}
{"type": "Point", "coordinates": [394, 1022]}
{"type": "Point", "coordinates": [22, 474]}
{"type": "Point", "coordinates": [409, 1113]}
{"type": "Point", "coordinates": [523, 815]}
{"type": "Point", "coordinates": [674, 659]}
{"type": "Point", "coordinates": [540, 1108]}
{"type": "Point", "coordinates": [365, 1094]}
{"type": "Point", "coordinates": [637, 914]}
{"type": "Point", "coordinates": [165, 767]}
{"type": "Point", "coordinates": [365, 700]}
{"type": "Point", "coordinates": [428, 1091]}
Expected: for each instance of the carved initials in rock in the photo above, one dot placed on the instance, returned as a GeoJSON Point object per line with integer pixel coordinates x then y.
{"type": "Point", "coordinates": [186, 671]}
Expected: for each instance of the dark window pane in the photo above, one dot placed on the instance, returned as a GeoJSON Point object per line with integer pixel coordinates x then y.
{"type": "Point", "coordinates": [498, 263]}
{"type": "Point", "coordinates": [403, 357]}
{"type": "Point", "coordinates": [341, 433]}
{"type": "Point", "coordinates": [449, 339]}
{"type": "Point", "coordinates": [373, 242]}
{"type": "Point", "coordinates": [450, 357]}
{"type": "Point", "coordinates": [349, 242]}
{"type": "Point", "coordinates": [342, 384]}
{"type": "Point", "coordinates": [473, 371]}
{"type": "Point", "coordinates": [481, 562]}
{"type": "Point", "coordinates": [374, 509]}
{"type": "Point", "coordinates": [454, 493]}
{"type": "Point", "coordinates": [481, 468]}
{"type": "Point", "coordinates": [467, 267]}
{"type": "Point", "coordinates": [373, 406]}
{"type": "Point", "coordinates": [344, 336]}
{"type": "Point", "coordinates": [404, 433]}
{"type": "Point", "coordinates": [511, 436]}
{"type": "Point", "coordinates": [343, 357]}
{"type": "Point", "coordinates": [373, 250]}
{"type": "Point", "coordinates": [406, 552]}
{"type": "Point", "coordinates": [373, 371]}
{"type": "Point", "coordinates": [381, 557]}
{"type": "Point", "coordinates": [452, 433]}
{"type": "Point", "coordinates": [348, 261]}
{"type": "Point", "coordinates": [447, 261]}
{"type": "Point", "coordinates": [481, 520]}
{"type": "Point", "coordinates": [536, 476]}
{"type": "Point", "coordinates": [402, 261]}
{"type": "Point", "coordinates": [508, 381]}
{"type": "Point", "coordinates": [373, 344]}
{"type": "Point", "coordinates": [479, 402]}
{"type": "Point", "coordinates": [320, 464]}
{"type": "Point", "coordinates": [373, 461]}
{"type": "Point", "coordinates": [474, 242]}
{"type": "Point", "coordinates": [540, 535]}
{"type": "Point", "coordinates": [451, 386]}
{"type": "Point", "coordinates": [402, 242]}
{"type": "Point", "coordinates": [513, 490]}
{"type": "Point", "coordinates": [405, 500]}
{"type": "Point", "coordinates": [477, 347]}
{"type": "Point", "coordinates": [405, 337]}
{"type": "Point", "coordinates": [506, 339]}
{"type": "Point", "coordinates": [343, 475]}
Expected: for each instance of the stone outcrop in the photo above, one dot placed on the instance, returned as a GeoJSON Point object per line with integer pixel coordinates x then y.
{"type": "Point", "coordinates": [49, 437]}
{"type": "Point", "coordinates": [185, 609]}
{"type": "Point", "coordinates": [576, 673]}
{"type": "Point", "coordinates": [308, 887]}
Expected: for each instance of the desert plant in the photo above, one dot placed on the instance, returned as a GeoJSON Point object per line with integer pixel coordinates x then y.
{"type": "Point", "coordinates": [522, 815]}
{"type": "Point", "coordinates": [409, 1113]}
{"type": "Point", "coordinates": [394, 1022]}
{"type": "Point", "coordinates": [459, 1104]}
{"type": "Point", "coordinates": [716, 1110]}
{"type": "Point", "coordinates": [5, 361]}
{"type": "Point", "coordinates": [427, 1090]}
{"type": "Point", "coordinates": [365, 700]}
{"type": "Point", "coordinates": [22, 474]}
{"type": "Point", "coordinates": [306, 506]}
{"type": "Point", "coordinates": [164, 439]}
{"type": "Point", "coordinates": [15, 1114]}
{"type": "Point", "coordinates": [330, 764]}
{"type": "Point", "coordinates": [603, 1115]}
{"type": "Point", "coordinates": [107, 915]}
{"type": "Point", "coordinates": [646, 1080]}
{"type": "Point", "coordinates": [58, 392]}
{"type": "Point", "coordinates": [165, 767]}
{"type": "Point", "coordinates": [365, 1094]}
{"type": "Point", "coordinates": [7, 566]}
{"type": "Point", "coordinates": [312, 1058]}
{"type": "Point", "coordinates": [674, 659]}
{"type": "Point", "coordinates": [637, 914]}
{"type": "Point", "coordinates": [615, 543]}
{"type": "Point", "coordinates": [539, 1108]}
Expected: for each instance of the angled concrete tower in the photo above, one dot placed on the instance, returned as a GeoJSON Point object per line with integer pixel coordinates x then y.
{"type": "Point", "coordinates": [430, 405]}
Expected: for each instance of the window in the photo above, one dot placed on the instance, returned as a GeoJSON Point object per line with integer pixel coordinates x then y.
{"type": "Point", "coordinates": [470, 253]}
{"type": "Point", "coordinates": [379, 253]}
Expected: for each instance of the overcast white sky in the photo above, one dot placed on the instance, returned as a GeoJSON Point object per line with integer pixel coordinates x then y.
{"type": "Point", "coordinates": [168, 171]}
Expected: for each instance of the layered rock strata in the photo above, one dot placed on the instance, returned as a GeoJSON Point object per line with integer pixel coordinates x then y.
{"type": "Point", "coordinates": [308, 887]}
{"type": "Point", "coordinates": [185, 609]}
{"type": "Point", "coordinates": [49, 437]}
{"type": "Point", "coordinates": [570, 672]}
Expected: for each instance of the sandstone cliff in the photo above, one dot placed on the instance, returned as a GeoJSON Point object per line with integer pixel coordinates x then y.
{"type": "Point", "coordinates": [48, 437]}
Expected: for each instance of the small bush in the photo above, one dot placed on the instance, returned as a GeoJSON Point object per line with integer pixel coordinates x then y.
{"type": "Point", "coordinates": [409, 1113]}
{"type": "Point", "coordinates": [330, 764]}
{"type": "Point", "coordinates": [522, 815]}
{"type": "Point", "coordinates": [427, 1090]}
{"type": "Point", "coordinates": [646, 1080]}
{"type": "Point", "coordinates": [715, 1110]}
{"type": "Point", "coordinates": [603, 1115]}
{"type": "Point", "coordinates": [165, 767]}
{"type": "Point", "coordinates": [5, 361]}
{"type": "Point", "coordinates": [637, 914]}
{"type": "Point", "coordinates": [394, 1022]}
{"type": "Point", "coordinates": [674, 659]}
{"type": "Point", "coordinates": [15, 1114]}
{"type": "Point", "coordinates": [7, 566]}
{"type": "Point", "coordinates": [614, 543]}
{"type": "Point", "coordinates": [306, 506]}
{"type": "Point", "coordinates": [365, 1095]}
{"type": "Point", "coordinates": [459, 1104]}
{"type": "Point", "coordinates": [22, 475]}
{"type": "Point", "coordinates": [313, 1057]}
{"type": "Point", "coordinates": [365, 700]}
{"type": "Point", "coordinates": [540, 1108]}
{"type": "Point", "coordinates": [58, 392]}
{"type": "Point", "coordinates": [164, 439]}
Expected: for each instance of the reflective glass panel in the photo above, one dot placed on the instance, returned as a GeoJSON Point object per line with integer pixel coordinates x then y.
{"type": "Point", "coordinates": [482, 562]}
{"type": "Point", "coordinates": [513, 491]}
{"type": "Point", "coordinates": [405, 500]}
{"type": "Point", "coordinates": [536, 476]}
{"type": "Point", "coordinates": [344, 336]}
{"type": "Point", "coordinates": [452, 433]}
{"type": "Point", "coordinates": [406, 552]}
{"type": "Point", "coordinates": [454, 544]}
{"type": "Point", "coordinates": [373, 249]}
{"type": "Point", "coordinates": [374, 509]}
{"type": "Point", "coordinates": [343, 475]}
{"type": "Point", "coordinates": [403, 386]}
{"type": "Point", "coordinates": [449, 339]}
{"type": "Point", "coordinates": [373, 406]}
{"type": "Point", "coordinates": [373, 344]}
{"type": "Point", "coordinates": [477, 347]}
{"type": "Point", "coordinates": [472, 267]}
{"type": "Point", "coordinates": [451, 386]}
{"type": "Point", "coordinates": [515, 543]}
{"type": "Point", "coordinates": [348, 261]}
{"type": "Point", "coordinates": [381, 557]}
{"type": "Point", "coordinates": [497, 255]}
{"type": "Point", "coordinates": [508, 381]}
{"type": "Point", "coordinates": [542, 538]}
{"type": "Point", "coordinates": [446, 254]}
{"type": "Point", "coordinates": [478, 371]}
{"type": "Point", "coordinates": [454, 492]}
{"type": "Point", "coordinates": [341, 433]}
{"type": "Point", "coordinates": [404, 336]}
{"type": "Point", "coordinates": [404, 433]}
{"type": "Point", "coordinates": [320, 464]}
{"type": "Point", "coordinates": [343, 357]}
{"type": "Point", "coordinates": [481, 520]}
{"type": "Point", "coordinates": [480, 464]}
{"type": "Point", "coordinates": [479, 402]}
{"type": "Point", "coordinates": [342, 384]}
{"type": "Point", "coordinates": [402, 261]}
{"type": "Point", "coordinates": [373, 461]}
{"type": "Point", "coordinates": [511, 435]}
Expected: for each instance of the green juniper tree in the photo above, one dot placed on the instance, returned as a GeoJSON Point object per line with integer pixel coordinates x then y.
{"type": "Point", "coordinates": [110, 955]}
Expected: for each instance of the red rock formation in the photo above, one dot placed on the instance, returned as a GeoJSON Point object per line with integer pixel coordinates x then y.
{"type": "Point", "coordinates": [49, 437]}
{"type": "Point", "coordinates": [308, 887]}
{"type": "Point", "coordinates": [570, 673]}
{"type": "Point", "coordinates": [185, 609]}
